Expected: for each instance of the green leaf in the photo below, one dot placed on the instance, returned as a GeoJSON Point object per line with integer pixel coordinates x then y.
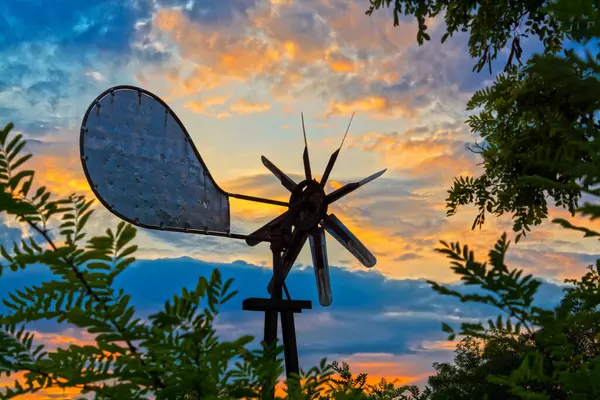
{"type": "Point", "coordinates": [126, 236]}
{"type": "Point", "coordinates": [20, 161]}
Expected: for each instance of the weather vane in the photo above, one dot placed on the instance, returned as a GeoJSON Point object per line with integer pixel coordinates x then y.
{"type": "Point", "coordinates": [142, 166]}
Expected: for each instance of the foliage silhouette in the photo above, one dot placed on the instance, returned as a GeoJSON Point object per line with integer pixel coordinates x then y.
{"type": "Point", "coordinates": [539, 122]}
{"type": "Point", "coordinates": [539, 119]}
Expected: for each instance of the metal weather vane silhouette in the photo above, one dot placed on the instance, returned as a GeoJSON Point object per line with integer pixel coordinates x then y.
{"type": "Point", "coordinates": [142, 166]}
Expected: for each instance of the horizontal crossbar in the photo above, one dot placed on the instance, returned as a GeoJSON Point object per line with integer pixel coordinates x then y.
{"type": "Point", "coordinates": [262, 304]}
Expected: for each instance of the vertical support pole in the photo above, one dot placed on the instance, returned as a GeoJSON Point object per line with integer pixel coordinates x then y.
{"type": "Point", "coordinates": [271, 316]}
{"type": "Point", "coordinates": [290, 347]}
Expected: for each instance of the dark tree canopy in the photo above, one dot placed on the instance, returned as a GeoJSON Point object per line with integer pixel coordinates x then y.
{"type": "Point", "coordinates": [539, 119]}
{"type": "Point", "coordinates": [492, 25]}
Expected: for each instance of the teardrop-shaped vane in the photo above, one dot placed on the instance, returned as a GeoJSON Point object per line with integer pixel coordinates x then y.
{"type": "Point", "coordinates": [318, 249]}
{"type": "Point", "coordinates": [143, 166]}
{"type": "Point", "coordinates": [338, 230]}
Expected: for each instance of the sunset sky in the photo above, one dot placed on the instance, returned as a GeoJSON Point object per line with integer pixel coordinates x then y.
{"type": "Point", "coordinates": [238, 73]}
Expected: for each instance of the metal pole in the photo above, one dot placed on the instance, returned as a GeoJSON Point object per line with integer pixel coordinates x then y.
{"type": "Point", "coordinates": [270, 333]}
{"type": "Point", "coordinates": [290, 347]}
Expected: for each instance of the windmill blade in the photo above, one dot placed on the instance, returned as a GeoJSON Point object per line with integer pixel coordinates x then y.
{"type": "Point", "coordinates": [285, 180]}
{"type": "Point", "coordinates": [338, 230]}
{"type": "Point", "coordinates": [307, 171]}
{"type": "Point", "coordinates": [334, 157]}
{"type": "Point", "coordinates": [351, 187]}
{"type": "Point", "coordinates": [265, 229]}
{"type": "Point", "coordinates": [318, 249]}
{"type": "Point", "coordinates": [290, 255]}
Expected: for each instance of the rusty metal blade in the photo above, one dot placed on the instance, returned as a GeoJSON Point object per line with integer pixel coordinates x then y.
{"type": "Point", "coordinates": [318, 249]}
{"type": "Point", "coordinates": [285, 180]}
{"type": "Point", "coordinates": [334, 156]}
{"type": "Point", "coordinates": [342, 234]}
{"type": "Point", "coordinates": [351, 187]}
{"type": "Point", "coordinates": [305, 158]}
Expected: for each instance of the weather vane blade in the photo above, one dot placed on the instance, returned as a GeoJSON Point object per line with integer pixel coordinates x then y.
{"type": "Point", "coordinates": [305, 158]}
{"type": "Point", "coordinates": [338, 230]}
{"type": "Point", "coordinates": [318, 250]}
{"type": "Point", "coordinates": [285, 180]}
{"type": "Point", "coordinates": [351, 187]}
{"type": "Point", "coordinates": [334, 157]}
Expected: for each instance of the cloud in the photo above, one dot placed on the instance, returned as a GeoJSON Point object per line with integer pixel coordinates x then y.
{"type": "Point", "coordinates": [377, 104]}
{"type": "Point", "coordinates": [207, 105]}
{"type": "Point", "coordinates": [104, 24]}
{"type": "Point", "coordinates": [435, 153]}
{"type": "Point", "coordinates": [243, 107]}
{"type": "Point", "coordinates": [216, 106]}
{"type": "Point", "coordinates": [311, 47]}
{"type": "Point", "coordinates": [56, 61]}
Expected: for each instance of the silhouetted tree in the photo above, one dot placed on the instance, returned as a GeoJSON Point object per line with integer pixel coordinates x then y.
{"type": "Point", "coordinates": [538, 120]}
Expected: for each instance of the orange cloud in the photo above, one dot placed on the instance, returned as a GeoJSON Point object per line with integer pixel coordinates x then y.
{"type": "Point", "coordinates": [269, 44]}
{"type": "Point", "coordinates": [200, 106]}
{"type": "Point", "coordinates": [440, 345]}
{"type": "Point", "coordinates": [342, 66]}
{"type": "Point", "coordinates": [62, 174]}
{"type": "Point", "coordinates": [243, 107]}
{"type": "Point", "coordinates": [378, 105]}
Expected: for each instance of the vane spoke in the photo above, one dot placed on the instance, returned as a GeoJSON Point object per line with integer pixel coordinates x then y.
{"type": "Point", "coordinates": [342, 234]}
{"type": "Point", "coordinates": [307, 171]}
{"type": "Point", "coordinates": [290, 255]}
{"type": "Point", "coordinates": [334, 157]}
{"type": "Point", "coordinates": [318, 249]}
{"type": "Point", "coordinates": [351, 187]}
{"type": "Point", "coordinates": [285, 180]}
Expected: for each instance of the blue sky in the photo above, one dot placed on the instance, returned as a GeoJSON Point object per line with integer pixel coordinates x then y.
{"type": "Point", "coordinates": [238, 73]}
